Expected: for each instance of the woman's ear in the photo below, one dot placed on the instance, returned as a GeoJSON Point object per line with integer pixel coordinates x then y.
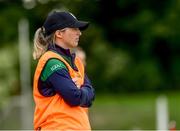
{"type": "Point", "coordinates": [58, 34]}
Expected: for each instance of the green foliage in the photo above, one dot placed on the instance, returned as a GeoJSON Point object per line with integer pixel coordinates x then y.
{"type": "Point", "coordinates": [10, 14]}
{"type": "Point", "coordinates": [130, 45]}
{"type": "Point", "coordinates": [148, 35]}
{"type": "Point", "coordinates": [9, 81]}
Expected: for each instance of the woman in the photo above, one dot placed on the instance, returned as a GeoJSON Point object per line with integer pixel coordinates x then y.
{"type": "Point", "coordinates": [62, 91]}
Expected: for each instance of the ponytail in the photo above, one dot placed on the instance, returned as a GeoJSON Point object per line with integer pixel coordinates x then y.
{"type": "Point", "coordinates": [41, 43]}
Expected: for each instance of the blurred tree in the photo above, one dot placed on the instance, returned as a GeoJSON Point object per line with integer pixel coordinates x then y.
{"type": "Point", "coordinates": [130, 45]}
{"type": "Point", "coordinates": [146, 31]}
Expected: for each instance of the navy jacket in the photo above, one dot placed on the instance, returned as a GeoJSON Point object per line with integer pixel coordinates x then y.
{"type": "Point", "coordinates": [60, 82]}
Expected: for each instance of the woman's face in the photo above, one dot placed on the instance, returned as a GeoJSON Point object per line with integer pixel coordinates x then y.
{"type": "Point", "coordinates": [70, 37]}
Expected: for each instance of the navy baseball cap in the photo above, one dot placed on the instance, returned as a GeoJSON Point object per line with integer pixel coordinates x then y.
{"type": "Point", "coordinates": [61, 20]}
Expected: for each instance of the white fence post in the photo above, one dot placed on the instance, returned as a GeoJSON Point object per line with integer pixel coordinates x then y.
{"type": "Point", "coordinates": [25, 77]}
{"type": "Point", "coordinates": [162, 117]}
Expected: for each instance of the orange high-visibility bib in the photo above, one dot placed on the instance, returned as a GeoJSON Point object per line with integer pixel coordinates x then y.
{"type": "Point", "coordinates": [53, 113]}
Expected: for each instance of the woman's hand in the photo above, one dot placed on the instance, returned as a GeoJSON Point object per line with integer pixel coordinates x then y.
{"type": "Point", "coordinates": [75, 80]}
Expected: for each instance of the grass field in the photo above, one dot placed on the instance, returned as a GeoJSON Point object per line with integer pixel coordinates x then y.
{"type": "Point", "coordinates": [117, 112]}
{"type": "Point", "coordinates": [135, 111]}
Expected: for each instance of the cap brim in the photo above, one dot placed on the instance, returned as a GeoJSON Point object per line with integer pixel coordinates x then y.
{"type": "Point", "coordinates": [82, 25]}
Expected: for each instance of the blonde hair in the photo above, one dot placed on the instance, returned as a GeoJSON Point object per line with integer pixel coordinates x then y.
{"type": "Point", "coordinates": [41, 43]}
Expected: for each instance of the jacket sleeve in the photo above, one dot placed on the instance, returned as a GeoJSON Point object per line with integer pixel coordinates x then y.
{"type": "Point", "coordinates": [88, 93]}
{"type": "Point", "coordinates": [62, 83]}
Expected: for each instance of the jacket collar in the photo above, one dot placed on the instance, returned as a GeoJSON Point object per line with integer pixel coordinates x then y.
{"type": "Point", "coordinates": [64, 52]}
